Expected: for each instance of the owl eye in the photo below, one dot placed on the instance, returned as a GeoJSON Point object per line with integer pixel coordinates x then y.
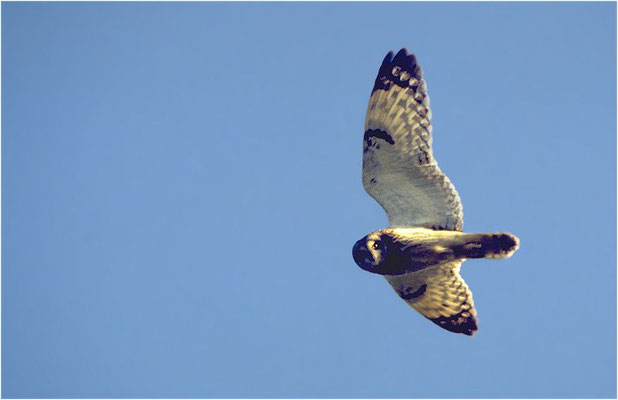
{"type": "Point", "coordinates": [375, 245]}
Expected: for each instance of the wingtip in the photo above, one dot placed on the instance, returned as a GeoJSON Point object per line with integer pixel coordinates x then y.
{"type": "Point", "coordinates": [402, 52]}
{"type": "Point", "coordinates": [472, 331]}
{"type": "Point", "coordinates": [406, 61]}
{"type": "Point", "coordinates": [388, 58]}
{"type": "Point", "coordinates": [458, 324]}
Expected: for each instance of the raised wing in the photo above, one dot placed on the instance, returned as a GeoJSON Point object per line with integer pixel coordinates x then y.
{"type": "Point", "coordinates": [399, 170]}
{"type": "Point", "coordinates": [441, 295]}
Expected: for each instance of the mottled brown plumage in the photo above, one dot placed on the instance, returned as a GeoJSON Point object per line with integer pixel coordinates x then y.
{"type": "Point", "coordinates": [420, 255]}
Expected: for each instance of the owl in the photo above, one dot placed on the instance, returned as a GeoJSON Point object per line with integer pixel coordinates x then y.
{"type": "Point", "coordinates": [421, 253]}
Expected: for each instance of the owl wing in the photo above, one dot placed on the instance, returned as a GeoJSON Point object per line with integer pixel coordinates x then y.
{"type": "Point", "coordinates": [399, 169]}
{"type": "Point", "coordinates": [440, 294]}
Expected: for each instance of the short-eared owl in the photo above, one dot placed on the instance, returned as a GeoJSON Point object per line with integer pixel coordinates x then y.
{"type": "Point", "coordinates": [420, 254]}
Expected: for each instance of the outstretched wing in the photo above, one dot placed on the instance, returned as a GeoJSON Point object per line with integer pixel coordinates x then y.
{"type": "Point", "coordinates": [440, 294]}
{"type": "Point", "coordinates": [399, 170]}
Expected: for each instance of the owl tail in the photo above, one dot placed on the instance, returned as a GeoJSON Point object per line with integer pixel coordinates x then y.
{"type": "Point", "coordinates": [487, 245]}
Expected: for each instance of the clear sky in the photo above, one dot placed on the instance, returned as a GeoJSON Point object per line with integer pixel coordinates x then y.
{"type": "Point", "coordinates": [181, 191]}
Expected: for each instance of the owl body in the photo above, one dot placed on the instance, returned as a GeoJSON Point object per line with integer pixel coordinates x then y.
{"type": "Point", "coordinates": [398, 251]}
{"type": "Point", "coordinates": [421, 253]}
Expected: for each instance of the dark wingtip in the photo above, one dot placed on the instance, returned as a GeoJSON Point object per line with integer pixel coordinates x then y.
{"type": "Point", "coordinates": [402, 52]}
{"type": "Point", "coordinates": [405, 61]}
{"type": "Point", "coordinates": [388, 58]}
{"type": "Point", "coordinates": [468, 325]}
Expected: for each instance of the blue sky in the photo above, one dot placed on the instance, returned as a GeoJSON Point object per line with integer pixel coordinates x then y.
{"type": "Point", "coordinates": [181, 191]}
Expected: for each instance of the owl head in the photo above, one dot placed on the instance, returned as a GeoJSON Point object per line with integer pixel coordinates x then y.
{"type": "Point", "coordinates": [370, 253]}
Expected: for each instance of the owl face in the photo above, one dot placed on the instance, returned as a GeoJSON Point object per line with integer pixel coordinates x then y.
{"type": "Point", "coordinates": [370, 252]}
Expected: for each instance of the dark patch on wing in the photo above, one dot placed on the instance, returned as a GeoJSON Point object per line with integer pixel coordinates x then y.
{"type": "Point", "coordinates": [415, 294]}
{"type": "Point", "coordinates": [457, 323]}
{"type": "Point", "coordinates": [378, 133]}
{"type": "Point", "coordinates": [406, 62]}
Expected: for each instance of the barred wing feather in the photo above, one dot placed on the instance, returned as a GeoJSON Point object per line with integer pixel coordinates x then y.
{"type": "Point", "coordinates": [399, 169]}
{"type": "Point", "coordinates": [441, 295]}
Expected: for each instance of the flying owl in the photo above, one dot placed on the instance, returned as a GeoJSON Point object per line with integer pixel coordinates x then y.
{"type": "Point", "coordinates": [421, 253]}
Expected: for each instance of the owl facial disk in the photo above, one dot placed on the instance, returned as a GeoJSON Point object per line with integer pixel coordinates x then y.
{"type": "Point", "coordinates": [369, 252]}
